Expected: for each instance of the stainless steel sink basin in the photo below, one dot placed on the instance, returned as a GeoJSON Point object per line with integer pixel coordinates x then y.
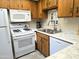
{"type": "Point", "coordinates": [50, 31]}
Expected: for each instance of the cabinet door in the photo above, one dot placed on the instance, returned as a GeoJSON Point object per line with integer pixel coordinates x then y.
{"type": "Point", "coordinates": [57, 45]}
{"type": "Point", "coordinates": [0, 4]}
{"type": "Point", "coordinates": [5, 44]}
{"type": "Point", "coordinates": [34, 10]}
{"type": "Point", "coordinates": [76, 7]}
{"type": "Point", "coordinates": [4, 3]}
{"type": "Point", "coordinates": [45, 4]}
{"type": "Point", "coordinates": [40, 15]}
{"type": "Point", "coordinates": [14, 4]}
{"type": "Point", "coordinates": [52, 4]}
{"type": "Point", "coordinates": [45, 49]}
{"type": "Point", "coordinates": [25, 4]}
{"type": "Point", "coordinates": [39, 43]}
{"type": "Point", "coordinates": [65, 8]}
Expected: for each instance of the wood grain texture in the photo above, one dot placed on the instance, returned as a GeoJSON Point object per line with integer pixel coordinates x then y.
{"type": "Point", "coordinates": [65, 8]}
{"type": "Point", "coordinates": [76, 8]}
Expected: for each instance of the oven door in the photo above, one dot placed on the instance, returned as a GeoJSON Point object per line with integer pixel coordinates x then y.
{"type": "Point", "coordinates": [24, 42]}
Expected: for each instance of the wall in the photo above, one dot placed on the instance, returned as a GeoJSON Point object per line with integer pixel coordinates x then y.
{"type": "Point", "coordinates": [68, 25]}
{"type": "Point", "coordinates": [32, 24]}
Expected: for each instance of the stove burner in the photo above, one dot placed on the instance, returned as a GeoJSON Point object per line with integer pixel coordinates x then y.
{"type": "Point", "coordinates": [17, 30]}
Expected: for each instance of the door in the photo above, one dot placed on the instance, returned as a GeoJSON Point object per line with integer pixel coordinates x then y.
{"type": "Point", "coordinates": [52, 4]}
{"type": "Point", "coordinates": [54, 46]}
{"type": "Point", "coordinates": [40, 11]}
{"type": "Point", "coordinates": [45, 49]}
{"type": "Point", "coordinates": [26, 4]}
{"type": "Point", "coordinates": [5, 44]}
{"type": "Point", "coordinates": [5, 3]}
{"type": "Point", "coordinates": [57, 45]}
{"type": "Point", "coordinates": [39, 43]}
{"type": "Point", "coordinates": [76, 8]}
{"type": "Point", "coordinates": [65, 8]}
{"type": "Point", "coordinates": [45, 4]}
{"type": "Point", "coordinates": [23, 42]}
{"type": "Point", "coordinates": [34, 10]}
{"type": "Point", "coordinates": [12, 4]}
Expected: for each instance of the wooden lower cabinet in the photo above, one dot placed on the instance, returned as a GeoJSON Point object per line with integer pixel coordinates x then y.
{"type": "Point", "coordinates": [43, 43]}
{"type": "Point", "coordinates": [39, 43]}
{"type": "Point", "coordinates": [44, 46]}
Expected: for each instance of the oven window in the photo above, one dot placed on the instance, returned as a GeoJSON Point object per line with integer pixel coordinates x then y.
{"type": "Point", "coordinates": [24, 42]}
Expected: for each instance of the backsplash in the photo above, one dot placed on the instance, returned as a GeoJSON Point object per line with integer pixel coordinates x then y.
{"type": "Point", "coordinates": [32, 24]}
{"type": "Point", "coordinates": [69, 25]}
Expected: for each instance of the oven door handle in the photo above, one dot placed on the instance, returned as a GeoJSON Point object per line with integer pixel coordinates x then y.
{"type": "Point", "coordinates": [23, 37]}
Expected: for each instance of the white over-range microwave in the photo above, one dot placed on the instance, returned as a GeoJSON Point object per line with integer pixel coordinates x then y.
{"type": "Point", "coordinates": [20, 15]}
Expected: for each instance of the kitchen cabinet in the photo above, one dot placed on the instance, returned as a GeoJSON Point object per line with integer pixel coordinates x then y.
{"type": "Point", "coordinates": [65, 8]}
{"type": "Point", "coordinates": [44, 46]}
{"type": "Point", "coordinates": [43, 43]}
{"type": "Point", "coordinates": [12, 4]}
{"type": "Point", "coordinates": [4, 4]}
{"type": "Point", "coordinates": [76, 8]}
{"type": "Point", "coordinates": [26, 4]}
{"type": "Point", "coordinates": [20, 4]}
{"type": "Point", "coordinates": [49, 4]}
{"type": "Point", "coordinates": [15, 4]}
{"type": "Point", "coordinates": [34, 10]}
{"type": "Point", "coordinates": [52, 4]}
{"type": "Point", "coordinates": [45, 4]}
{"type": "Point", "coordinates": [41, 13]}
{"type": "Point", "coordinates": [39, 43]}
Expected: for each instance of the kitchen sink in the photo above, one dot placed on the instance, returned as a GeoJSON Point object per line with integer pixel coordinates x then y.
{"type": "Point", "coordinates": [50, 31]}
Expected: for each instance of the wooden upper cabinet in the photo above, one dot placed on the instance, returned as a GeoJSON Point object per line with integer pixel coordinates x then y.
{"type": "Point", "coordinates": [34, 10]}
{"type": "Point", "coordinates": [65, 8]}
{"type": "Point", "coordinates": [40, 10]}
{"type": "Point", "coordinates": [52, 4]}
{"type": "Point", "coordinates": [14, 4]}
{"type": "Point", "coordinates": [25, 4]}
{"type": "Point", "coordinates": [45, 4]}
{"type": "Point", "coordinates": [41, 13]}
{"type": "Point", "coordinates": [0, 3]}
{"type": "Point", "coordinates": [4, 3]}
{"type": "Point", "coordinates": [76, 8]}
{"type": "Point", "coordinates": [49, 4]}
{"type": "Point", "coordinates": [20, 4]}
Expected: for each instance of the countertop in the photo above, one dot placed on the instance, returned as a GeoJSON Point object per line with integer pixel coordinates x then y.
{"type": "Point", "coordinates": [71, 52]}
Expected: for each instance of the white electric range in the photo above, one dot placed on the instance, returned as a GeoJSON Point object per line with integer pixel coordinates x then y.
{"type": "Point", "coordinates": [23, 40]}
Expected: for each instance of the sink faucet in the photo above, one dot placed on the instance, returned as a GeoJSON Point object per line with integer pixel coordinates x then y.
{"type": "Point", "coordinates": [55, 28]}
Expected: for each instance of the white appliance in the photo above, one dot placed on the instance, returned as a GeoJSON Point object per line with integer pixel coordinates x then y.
{"type": "Point", "coordinates": [20, 15]}
{"type": "Point", "coordinates": [57, 45]}
{"type": "Point", "coordinates": [24, 41]}
{"type": "Point", "coordinates": [5, 38]}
